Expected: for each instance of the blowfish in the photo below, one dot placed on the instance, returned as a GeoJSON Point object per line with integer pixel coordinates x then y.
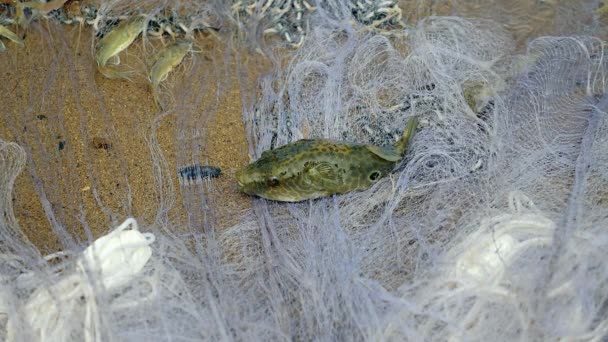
{"type": "Point", "coordinates": [315, 168]}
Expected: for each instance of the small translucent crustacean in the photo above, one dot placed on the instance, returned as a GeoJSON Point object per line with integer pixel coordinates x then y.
{"type": "Point", "coordinates": [309, 168]}
{"type": "Point", "coordinates": [38, 9]}
{"type": "Point", "coordinates": [114, 43]}
{"type": "Point", "coordinates": [164, 62]}
{"type": "Point", "coordinates": [195, 173]}
{"type": "Point", "coordinates": [5, 32]}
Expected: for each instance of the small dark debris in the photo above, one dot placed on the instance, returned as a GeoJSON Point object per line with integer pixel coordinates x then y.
{"type": "Point", "coordinates": [61, 145]}
{"type": "Point", "coordinates": [486, 111]}
{"type": "Point", "coordinates": [101, 143]}
{"type": "Point", "coordinates": [27, 13]}
{"type": "Point", "coordinates": [41, 117]}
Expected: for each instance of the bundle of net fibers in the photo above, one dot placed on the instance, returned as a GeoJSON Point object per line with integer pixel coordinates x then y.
{"type": "Point", "coordinates": [337, 261]}
{"type": "Point", "coordinates": [529, 268]}
{"type": "Point", "coordinates": [482, 234]}
{"type": "Point", "coordinates": [41, 300]}
{"type": "Point", "coordinates": [126, 285]}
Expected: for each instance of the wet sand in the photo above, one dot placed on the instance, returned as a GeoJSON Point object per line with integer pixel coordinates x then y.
{"type": "Point", "coordinates": [87, 137]}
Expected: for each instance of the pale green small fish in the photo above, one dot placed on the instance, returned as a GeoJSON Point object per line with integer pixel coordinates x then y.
{"type": "Point", "coordinates": [314, 168]}
{"type": "Point", "coordinates": [5, 32]}
{"type": "Point", "coordinates": [115, 42]}
{"type": "Point", "coordinates": [165, 61]}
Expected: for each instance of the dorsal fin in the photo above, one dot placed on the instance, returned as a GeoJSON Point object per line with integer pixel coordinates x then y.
{"type": "Point", "coordinates": [266, 153]}
{"type": "Point", "coordinates": [408, 133]}
{"type": "Point", "coordinates": [396, 152]}
{"type": "Point", "coordinates": [386, 153]}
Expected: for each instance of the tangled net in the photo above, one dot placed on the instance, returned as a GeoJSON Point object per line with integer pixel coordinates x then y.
{"type": "Point", "coordinates": [492, 228]}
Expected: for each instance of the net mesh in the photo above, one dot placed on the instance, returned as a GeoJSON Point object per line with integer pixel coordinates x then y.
{"type": "Point", "coordinates": [491, 228]}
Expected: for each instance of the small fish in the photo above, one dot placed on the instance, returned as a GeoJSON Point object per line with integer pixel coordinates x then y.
{"type": "Point", "coordinates": [5, 32]}
{"type": "Point", "coordinates": [309, 168]}
{"type": "Point", "coordinates": [114, 43]}
{"type": "Point", "coordinates": [165, 61]}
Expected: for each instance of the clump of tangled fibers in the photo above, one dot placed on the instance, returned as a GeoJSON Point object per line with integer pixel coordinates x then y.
{"type": "Point", "coordinates": [494, 227]}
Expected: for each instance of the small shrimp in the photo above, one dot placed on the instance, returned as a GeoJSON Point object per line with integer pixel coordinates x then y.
{"type": "Point", "coordinates": [114, 43]}
{"type": "Point", "coordinates": [164, 62]}
{"type": "Point", "coordinates": [5, 32]}
{"type": "Point", "coordinates": [38, 9]}
{"type": "Point", "coordinates": [43, 8]}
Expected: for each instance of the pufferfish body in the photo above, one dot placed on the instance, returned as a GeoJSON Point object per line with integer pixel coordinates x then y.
{"type": "Point", "coordinates": [315, 168]}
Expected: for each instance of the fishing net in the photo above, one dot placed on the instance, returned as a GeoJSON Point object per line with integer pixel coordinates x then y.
{"type": "Point", "coordinates": [118, 224]}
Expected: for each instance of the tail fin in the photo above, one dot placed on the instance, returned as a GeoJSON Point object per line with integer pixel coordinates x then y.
{"type": "Point", "coordinates": [403, 143]}
{"type": "Point", "coordinates": [5, 32]}
{"type": "Point", "coordinates": [157, 99]}
{"type": "Point", "coordinates": [115, 74]}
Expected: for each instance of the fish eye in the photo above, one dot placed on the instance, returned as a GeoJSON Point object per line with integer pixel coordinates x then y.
{"type": "Point", "coordinates": [374, 175]}
{"type": "Point", "coordinates": [274, 181]}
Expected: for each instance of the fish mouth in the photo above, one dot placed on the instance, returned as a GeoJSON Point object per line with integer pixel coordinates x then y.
{"type": "Point", "coordinates": [244, 183]}
{"type": "Point", "coordinates": [245, 188]}
{"type": "Point", "coordinates": [239, 179]}
{"type": "Point", "coordinates": [239, 183]}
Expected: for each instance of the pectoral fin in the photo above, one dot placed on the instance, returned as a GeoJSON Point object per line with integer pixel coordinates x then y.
{"type": "Point", "coordinates": [322, 171]}
{"type": "Point", "coordinates": [114, 60]}
{"type": "Point", "coordinates": [386, 153]}
{"type": "Point", "coordinates": [114, 74]}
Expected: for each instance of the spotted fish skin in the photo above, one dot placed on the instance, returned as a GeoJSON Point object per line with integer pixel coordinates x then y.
{"type": "Point", "coordinates": [315, 168]}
